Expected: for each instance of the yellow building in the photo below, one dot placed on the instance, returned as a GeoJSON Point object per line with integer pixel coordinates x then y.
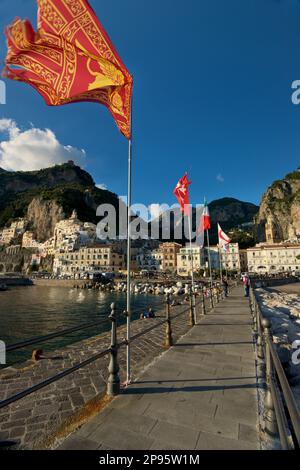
{"type": "Point", "coordinates": [169, 252]}
{"type": "Point", "coordinates": [104, 258]}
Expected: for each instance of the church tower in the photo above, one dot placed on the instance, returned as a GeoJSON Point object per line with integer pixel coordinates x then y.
{"type": "Point", "coordinates": [272, 232]}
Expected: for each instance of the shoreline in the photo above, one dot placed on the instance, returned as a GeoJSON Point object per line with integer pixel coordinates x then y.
{"type": "Point", "coordinates": [59, 282]}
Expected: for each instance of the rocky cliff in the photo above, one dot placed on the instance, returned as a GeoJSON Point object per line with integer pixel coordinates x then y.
{"type": "Point", "coordinates": [44, 197]}
{"type": "Point", "coordinates": [280, 205]}
{"type": "Point", "coordinates": [43, 215]}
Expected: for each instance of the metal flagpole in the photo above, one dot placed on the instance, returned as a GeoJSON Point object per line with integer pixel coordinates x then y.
{"type": "Point", "coordinates": [209, 259]}
{"type": "Point", "coordinates": [221, 264]}
{"type": "Point", "coordinates": [128, 306]}
{"type": "Point", "coordinates": [192, 264]}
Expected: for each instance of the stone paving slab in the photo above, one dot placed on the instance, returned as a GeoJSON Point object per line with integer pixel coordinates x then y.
{"type": "Point", "coordinates": [200, 394]}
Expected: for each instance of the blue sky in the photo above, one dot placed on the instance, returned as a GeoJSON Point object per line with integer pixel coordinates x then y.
{"type": "Point", "coordinates": [212, 96]}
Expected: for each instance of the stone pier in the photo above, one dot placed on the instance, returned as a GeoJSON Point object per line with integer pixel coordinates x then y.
{"type": "Point", "coordinates": [200, 394]}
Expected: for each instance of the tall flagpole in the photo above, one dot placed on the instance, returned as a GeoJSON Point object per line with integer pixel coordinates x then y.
{"type": "Point", "coordinates": [128, 306]}
{"type": "Point", "coordinates": [221, 264]}
{"type": "Point", "coordinates": [192, 264]}
{"type": "Point", "coordinates": [209, 259]}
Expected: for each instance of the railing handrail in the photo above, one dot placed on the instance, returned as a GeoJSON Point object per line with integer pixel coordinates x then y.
{"type": "Point", "coordinates": [55, 334]}
{"type": "Point", "coordinates": [285, 388]}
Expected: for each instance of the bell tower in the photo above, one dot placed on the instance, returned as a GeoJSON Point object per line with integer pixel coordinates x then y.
{"type": "Point", "coordinates": [272, 232]}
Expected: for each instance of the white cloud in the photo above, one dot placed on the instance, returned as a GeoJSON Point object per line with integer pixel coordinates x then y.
{"type": "Point", "coordinates": [220, 178]}
{"type": "Point", "coordinates": [33, 148]}
{"type": "Point", "coordinates": [155, 211]}
{"type": "Point", "coordinates": [101, 186]}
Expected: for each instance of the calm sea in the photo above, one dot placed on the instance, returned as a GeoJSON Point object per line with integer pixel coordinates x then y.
{"type": "Point", "coordinates": [27, 312]}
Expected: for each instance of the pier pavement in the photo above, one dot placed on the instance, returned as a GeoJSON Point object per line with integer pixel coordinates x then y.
{"type": "Point", "coordinates": [200, 395]}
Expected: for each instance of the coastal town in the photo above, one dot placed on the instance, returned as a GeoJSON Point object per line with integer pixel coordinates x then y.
{"type": "Point", "coordinates": [149, 232]}
{"type": "Point", "coordinates": [74, 251]}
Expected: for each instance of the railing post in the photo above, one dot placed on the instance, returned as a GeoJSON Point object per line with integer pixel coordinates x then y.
{"type": "Point", "coordinates": [255, 326]}
{"type": "Point", "coordinates": [259, 342]}
{"type": "Point", "coordinates": [211, 297]}
{"type": "Point", "coordinates": [194, 306]}
{"type": "Point", "coordinates": [271, 427]}
{"type": "Point", "coordinates": [203, 303]}
{"type": "Point", "coordinates": [192, 318]}
{"type": "Point", "coordinates": [169, 338]}
{"type": "Point", "coordinates": [222, 292]}
{"type": "Point", "coordinates": [113, 383]}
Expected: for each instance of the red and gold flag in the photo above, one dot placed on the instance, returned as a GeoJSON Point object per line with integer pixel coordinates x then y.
{"type": "Point", "coordinates": [70, 59]}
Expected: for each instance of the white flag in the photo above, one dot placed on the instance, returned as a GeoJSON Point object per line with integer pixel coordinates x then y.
{"type": "Point", "coordinates": [224, 240]}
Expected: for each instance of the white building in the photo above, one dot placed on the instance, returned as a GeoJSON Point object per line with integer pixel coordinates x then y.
{"type": "Point", "coordinates": [231, 257]}
{"type": "Point", "coordinates": [66, 228]}
{"type": "Point", "coordinates": [29, 240]}
{"type": "Point", "coordinates": [274, 259]}
{"type": "Point", "coordinates": [149, 260]}
{"type": "Point", "coordinates": [15, 229]}
{"type": "Point", "coordinates": [188, 257]}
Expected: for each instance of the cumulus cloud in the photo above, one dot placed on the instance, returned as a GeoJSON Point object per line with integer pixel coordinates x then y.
{"type": "Point", "coordinates": [101, 186]}
{"type": "Point", "coordinates": [155, 211]}
{"type": "Point", "coordinates": [220, 178]}
{"type": "Point", "coordinates": [33, 149]}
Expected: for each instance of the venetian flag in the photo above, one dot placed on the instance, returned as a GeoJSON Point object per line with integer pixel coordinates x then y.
{"type": "Point", "coordinates": [181, 191]}
{"type": "Point", "coordinates": [69, 59]}
{"type": "Point", "coordinates": [224, 240]}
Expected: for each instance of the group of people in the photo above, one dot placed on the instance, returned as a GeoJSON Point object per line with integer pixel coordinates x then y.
{"type": "Point", "coordinates": [246, 283]}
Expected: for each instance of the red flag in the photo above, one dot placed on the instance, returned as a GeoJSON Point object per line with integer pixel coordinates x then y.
{"type": "Point", "coordinates": [70, 59]}
{"type": "Point", "coordinates": [182, 193]}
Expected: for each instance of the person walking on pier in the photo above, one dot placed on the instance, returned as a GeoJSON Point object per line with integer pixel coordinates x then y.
{"type": "Point", "coordinates": [225, 287]}
{"type": "Point", "coordinates": [246, 282]}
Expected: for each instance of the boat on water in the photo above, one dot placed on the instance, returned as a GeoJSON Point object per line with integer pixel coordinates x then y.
{"type": "Point", "coordinates": [3, 287]}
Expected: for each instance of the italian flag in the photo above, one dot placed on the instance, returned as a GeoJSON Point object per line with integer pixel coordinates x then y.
{"type": "Point", "coordinates": [205, 222]}
{"type": "Point", "coordinates": [206, 217]}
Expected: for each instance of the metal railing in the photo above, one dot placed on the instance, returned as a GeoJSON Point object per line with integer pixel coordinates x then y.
{"type": "Point", "coordinates": [281, 414]}
{"type": "Point", "coordinates": [113, 384]}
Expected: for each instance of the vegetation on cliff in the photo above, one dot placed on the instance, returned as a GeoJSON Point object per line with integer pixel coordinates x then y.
{"type": "Point", "coordinates": [281, 205]}
{"type": "Point", "coordinates": [68, 185]}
